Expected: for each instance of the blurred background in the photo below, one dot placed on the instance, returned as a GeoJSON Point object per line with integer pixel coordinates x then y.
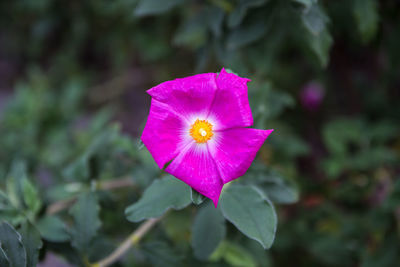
{"type": "Point", "coordinates": [325, 75]}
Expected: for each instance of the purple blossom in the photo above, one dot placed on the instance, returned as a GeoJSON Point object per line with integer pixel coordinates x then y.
{"type": "Point", "coordinates": [198, 124]}
{"type": "Point", "coordinates": [311, 96]}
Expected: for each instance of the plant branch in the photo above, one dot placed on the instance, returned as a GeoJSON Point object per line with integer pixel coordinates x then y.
{"type": "Point", "coordinates": [133, 239]}
{"type": "Point", "coordinates": [102, 185]}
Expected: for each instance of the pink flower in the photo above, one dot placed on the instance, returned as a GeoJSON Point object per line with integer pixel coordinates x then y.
{"type": "Point", "coordinates": [198, 124]}
{"type": "Point", "coordinates": [312, 95]}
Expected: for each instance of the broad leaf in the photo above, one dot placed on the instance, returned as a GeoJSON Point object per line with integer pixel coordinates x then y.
{"type": "Point", "coordinates": [11, 244]}
{"type": "Point", "coordinates": [32, 243]}
{"type": "Point", "coordinates": [53, 229]}
{"type": "Point", "coordinates": [251, 212]}
{"type": "Point", "coordinates": [161, 195]}
{"type": "Point", "coordinates": [3, 259]}
{"type": "Point", "coordinates": [208, 231]}
{"type": "Point", "coordinates": [87, 222]}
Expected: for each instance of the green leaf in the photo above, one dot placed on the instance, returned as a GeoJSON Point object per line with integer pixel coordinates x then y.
{"type": "Point", "coordinates": [153, 7]}
{"type": "Point", "coordinates": [251, 212]}
{"type": "Point", "coordinates": [367, 18]}
{"type": "Point", "coordinates": [280, 192]}
{"type": "Point", "coordinates": [246, 34]}
{"type": "Point", "coordinates": [13, 183]}
{"type": "Point", "coordinates": [101, 143]}
{"type": "Point", "coordinates": [208, 231]}
{"type": "Point", "coordinates": [233, 254]}
{"type": "Point", "coordinates": [11, 244]}
{"type": "Point", "coordinates": [53, 229]}
{"type": "Point", "coordinates": [319, 39]}
{"type": "Point", "coordinates": [314, 19]}
{"type": "Point", "coordinates": [196, 197]}
{"type": "Point", "coordinates": [31, 196]}
{"type": "Point", "coordinates": [272, 184]}
{"type": "Point", "coordinates": [87, 222]}
{"type": "Point", "coordinates": [32, 243]}
{"type": "Point", "coordinates": [160, 254]}
{"type": "Point", "coordinates": [3, 259]}
{"type": "Point", "coordinates": [321, 44]}
{"type": "Point", "coordinates": [238, 14]}
{"type": "Point", "coordinates": [161, 195]}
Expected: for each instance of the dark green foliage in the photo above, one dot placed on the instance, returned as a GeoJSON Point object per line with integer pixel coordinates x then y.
{"type": "Point", "coordinates": [208, 231]}
{"type": "Point", "coordinates": [251, 212]}
{"type": "Point", "coordinates": [75, 180]}
{"type": "Point", "coordinates": [11, 245]}
{"type": "Point", "coordinates": [160, 196]}
{"type": "Point", "coordinates": [86, 221]}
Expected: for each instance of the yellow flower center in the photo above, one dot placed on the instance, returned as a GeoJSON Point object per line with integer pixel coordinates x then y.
{"type": "Point", "coordinates": [201, 131]}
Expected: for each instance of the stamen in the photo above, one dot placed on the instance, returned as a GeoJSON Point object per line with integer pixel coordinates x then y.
{"type": "Point", "coordinates": [201, 131]}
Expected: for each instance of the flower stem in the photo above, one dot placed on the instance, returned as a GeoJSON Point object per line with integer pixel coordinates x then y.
{"type": "Point", "coordinates": [133, 239]}
{"type": "Point", "coordinates": [101, 185]}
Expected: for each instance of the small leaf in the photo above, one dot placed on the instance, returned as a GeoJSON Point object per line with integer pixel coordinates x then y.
{"type": "Point", "coordinates": [251, 212]}
{"type": "Point", "coordinates": [367, 18]}
{"type": "Point", "coordinates": [11, 244]}
{"type": "Point", "coordinates": [319, 39]}
{"type": "Point", "coordinates": [87, 222]}
{"type": "Point", "coordinates": [32, 243]}
{"type": "Point", "coordinates": [321, 44]}
{"type": "Point", "coordinates": [314, 19]}
{"type": "Point", "coordinates": [53, 229]}
{"type": "Point", "coordinates": [196, 197]}
{"type": "Point", "coordinates": [161, 195]}
{"type": "Point", "coordinates": [208, 231]}
{"type": "Point", "coordinates": [13, 183]}
{"type": "Point", "coordinates": [31, 196]}
{"type": "Point", "coordinates": [153, 7]}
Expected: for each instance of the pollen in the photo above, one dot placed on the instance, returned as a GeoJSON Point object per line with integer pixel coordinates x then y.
{"type": "Point", "coordinates": [201, 131]}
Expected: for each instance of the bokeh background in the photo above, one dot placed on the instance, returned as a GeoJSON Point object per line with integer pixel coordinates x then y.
{"type": "Point", "coordinates": [325, 75]}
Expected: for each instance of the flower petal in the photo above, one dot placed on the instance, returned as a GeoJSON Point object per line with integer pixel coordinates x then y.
{"type": "Point", "coordinates": [195, 166]}
{"type": "Point", "coordinates": [162, 134]}
{"type": "Point", "coordinates": [231, 106]}
{"type": "Point", "coordinates": [188, 96]}
{"type": "Point", "coordinates": [235, 150]}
